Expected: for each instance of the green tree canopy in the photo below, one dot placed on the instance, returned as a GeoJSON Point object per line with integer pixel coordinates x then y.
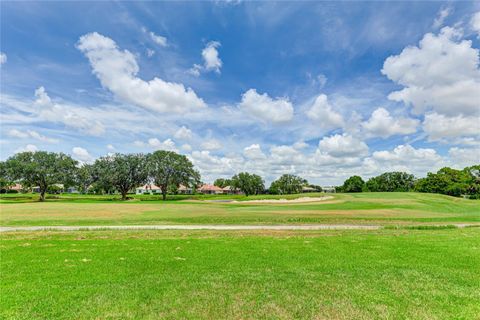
{"type": "Point", "coordinates": [452, 182]}
{"type": "Point", "coordinates": [391, 182]}
{"type": "Point", "coordinates": [85, 176]}
{"type": "Point", "coordinates": [168, 168]}
{"type": "Point", "coordinates": [353, 184]}
{"type": "Point", "coordinates": [248, 183]}
{"type": "Point", "coordinates": [222, 183]}
{"type": "Point", "coordinates": [5, 179]}
{"type": "Point", "coordinates": [123, 171]}
{"type": "Point", "coordinates": [473, 180]}
{"type": "Point", "coordinates": [287, 184]}
{"type": "Point", "coordinates": [41, 169]}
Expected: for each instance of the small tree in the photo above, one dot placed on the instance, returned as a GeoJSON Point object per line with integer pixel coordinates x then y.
{"type": "Point", "coordinates": [85, 176]}
{"type": "Point", "coordinates": [168, 168]}
{"type": "Point", "coordinates": [222, 183]}
{"type": "Point", "coordinates": [248, 183]}
{"type": "Point", "coordinates": [287, 184]}
{"type": "Point", "coordinates": [123, 171]}
{"type": "Point", "coordinates": [41, 169]}
{"type": "Point", "coordinates": [353, 184]}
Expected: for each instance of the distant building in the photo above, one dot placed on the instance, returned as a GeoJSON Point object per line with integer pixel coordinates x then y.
{"type": "Point", "coordinates": [306, 189]}
{"type": "Point", "coordinates": [230, 190]}
{"type": "Point", "coordinates": [148, 188]}
{"type": "Point", "coordinates": [59, 186]}
{"type": "Point", "coordinates": [210, 189]}
{"type": "Point", "coordinates": [184, 190]}
{"type": "Point", "coordinates": [72, 190]}
{"type": "Point", "coordinates": [17, 187]}
{"type": "Point", "coordinates": [329, 189]}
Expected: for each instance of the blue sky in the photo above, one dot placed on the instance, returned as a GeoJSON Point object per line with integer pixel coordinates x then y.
{"type": "Point", "coordinates": [319, 89]}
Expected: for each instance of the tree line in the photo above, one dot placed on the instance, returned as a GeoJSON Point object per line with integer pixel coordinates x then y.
{"type": "Point", "coordinates": [168, 170]}
{"type": "Point", "coordinates": [447, 181]}
{"type": "Point", "coordinates": [118, 172]}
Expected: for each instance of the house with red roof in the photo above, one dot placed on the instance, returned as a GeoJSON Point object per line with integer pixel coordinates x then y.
{"type": "Point", "coordinates": [210, 189]}
{"type": "Point", "coordinates": [148, 188]}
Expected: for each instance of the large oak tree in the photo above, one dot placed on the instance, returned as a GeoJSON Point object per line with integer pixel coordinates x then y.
{"type": "Point", "coordinates": [41, 169]}
{"type": "Point", "coordinates": [170, 169]}
{"type": "Point", "coordinates": [123, 171]}
{"type": "Point", "coordinates": [287, 184]}
{"type": "Point", "coordinates": [248, 183]}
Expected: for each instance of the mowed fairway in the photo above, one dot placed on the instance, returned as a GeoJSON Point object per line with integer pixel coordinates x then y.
{"type": "Point", "coordinates": [363, 208]}
{"type": "Point", "coordinates": [386, 274]}
{"type": "Point", "coordinates": [417, 267]}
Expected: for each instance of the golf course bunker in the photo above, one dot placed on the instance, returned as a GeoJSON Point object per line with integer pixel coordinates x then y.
{"type": "Point", "coordinates": [297, 200]}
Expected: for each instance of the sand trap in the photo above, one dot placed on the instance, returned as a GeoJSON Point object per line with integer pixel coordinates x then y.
{"type": "Point", "coordinates": [297, 200]}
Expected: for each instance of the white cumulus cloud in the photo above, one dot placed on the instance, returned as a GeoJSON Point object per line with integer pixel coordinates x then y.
{"type": "Point", "coordinates": [167, 144]}
{"type": "Point", "coordinates": [441, 74]}
{"type": "Point", "coordinates": [439, 126]}
{"type": "Point", "coordinates": [3, 58]}
{"type": "Point", "coordinates": [211, 60]}
{"type": "Point", "coordinates": [407, 158]}
{"type": "Point", "coordinates": [254, 152]}
{"type": "Point", "coordinates": [27, 148]}
{"type": "Point", "coordinates": [81, 154]}
{"type": "Point", "coordinates": [342, 146]}
{"type": "Point", "coordinates": [323, 114]}
{"type": "Point", "coordinates": [211, 144]}
{"type": "Point", "coordinates": [464, 157]}
{"type": "Point", "coordinates": [262, 107]}
{"type": "Point", "coordinates": [382, 124]}
{"type": "Point", "coordinates": [160, 40]}
{"type": "Point", "coordinates": [183, 133]}
{"type": "Point", "coordinates": [117, 71]}
{"type": "Point", "coordinates": [30, 134]}
{"type": "Point", "coordinates": [475, 23]}
{"type": "Point", "coordinates": [70, 117]}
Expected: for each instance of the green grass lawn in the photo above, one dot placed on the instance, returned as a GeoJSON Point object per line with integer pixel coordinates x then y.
{"type": "Point", "coordinates": [386, 274]}
{"type": "Point", "coordinates": [430, 273]}
{"type": "Point", "coordinates": [362, 208]}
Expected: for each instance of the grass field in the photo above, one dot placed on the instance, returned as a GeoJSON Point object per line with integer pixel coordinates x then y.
{"type": "Point", "coordinates": [387, 274]}
{"type": "Point", "coordinates": [409, 270]}
{"type": "Point", "coordinates": [362, 208]}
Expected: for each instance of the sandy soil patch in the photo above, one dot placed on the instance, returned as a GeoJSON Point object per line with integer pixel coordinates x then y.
{"type": "Point", "coordinates": [297, 200]}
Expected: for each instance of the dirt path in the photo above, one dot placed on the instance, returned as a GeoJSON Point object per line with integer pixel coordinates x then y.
{"type": "Point", "coordinates": [196, 227]}
{"type": "Point", "coordinates": [211, 227]}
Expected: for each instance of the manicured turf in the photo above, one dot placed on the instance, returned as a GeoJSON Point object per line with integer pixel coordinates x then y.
{"type": "Point", "coordinates": [417, 272]}
{"type": "Point", "coordinates": [394, 274]}
{"type": "Point", "coordinates": [363, 208]}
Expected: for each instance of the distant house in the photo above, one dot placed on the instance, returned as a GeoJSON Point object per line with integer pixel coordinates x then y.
{"type": "Point", "coordinates": [184, 190]}
{"type": "Point", "coordinates": [210, 189]}
{"type": "Point", "coordinates": [60, 188]}
{"type": "Point", "coordinates": [17, 187]}
{"type": "Point", "coordinates": [306, 189]}
{"type": "Point", "coordinates": [148, 188]}
{"type": "Point", "coordinates": [230, 190]}
{"type": "Point", "coordinates": [72, 190]}
{"type": "Point", "coordinates": [328, 189]}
